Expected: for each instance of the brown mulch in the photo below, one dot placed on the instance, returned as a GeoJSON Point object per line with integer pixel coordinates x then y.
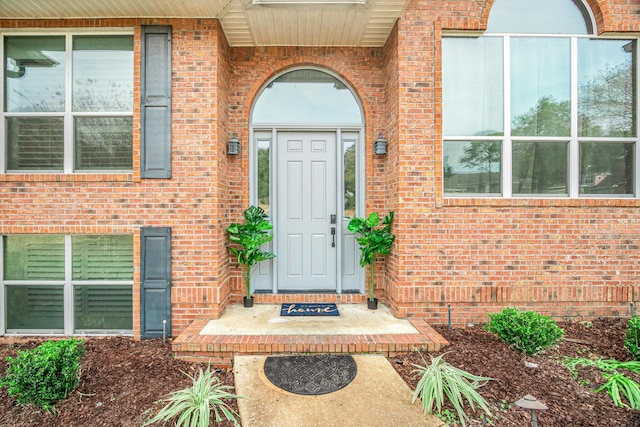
{"type": "Point", "coordinates": [121, 379]}
{"type": "Point", "coordinates": [571, 402]}
{"type": "Point", "coordinates": [119, 383]}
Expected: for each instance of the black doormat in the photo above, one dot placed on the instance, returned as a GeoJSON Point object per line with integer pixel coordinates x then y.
{"type": "Point", "coordinates": [315, 309]}
{"type": "Point", "coordinates": [311, 375]}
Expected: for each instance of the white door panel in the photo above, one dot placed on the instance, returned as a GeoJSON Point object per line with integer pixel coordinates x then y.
{"type": "Point", "coordinates": [306, 197]}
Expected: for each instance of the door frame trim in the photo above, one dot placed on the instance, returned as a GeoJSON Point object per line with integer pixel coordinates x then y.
{"type": "Point", "coordinates": [273, 130]}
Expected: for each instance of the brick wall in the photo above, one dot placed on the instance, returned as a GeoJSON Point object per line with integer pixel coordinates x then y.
{"type": "Point", "coordinates": [191, 202]}
{"type": "Point", "coordinates": [227, 183]}
{"type": "Point", "coordinates": [566, 258]}
{"type": "Point", "coordinates": [387, 166]}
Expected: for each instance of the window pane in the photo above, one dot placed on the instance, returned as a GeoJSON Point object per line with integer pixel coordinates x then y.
{"type": "Point", "coordinates": [540, 87]}
{"type": "Point", "coordinates": [35, 143]}
{"type": "Point", "coordinates": [35, 307]}
{"type": "Point", "coordinates": [102, 73]}
{"type": "Point", "coordinates": [538, 17]}
{"type": "Point", "coordinates": [33, 257]}
{"type": "Point", "coordinates": [540, 168]}
{"type": "Point", "coordinates": [103, 307]}
{"type": "Point", "coordinates": [102, 257]}
{"type": "Point", "coordinates": [103, 143]}
{"type": "Point", "coordinates": [472, 167]}
{"type": "Point", "coordinates": [35, 72]}
{"type": "Point", "coordinates": [472, 86]}
{"type": "Point", "coordinates": [606, 91]}
{"type": "Point", "coordinates": [606, 168]}
{"type": "Point", "coordinates": [263, 175]}
{"type": "Point", "coordinates": [307, 96]}
{"type": "Point", "coordinates": [349, 178]}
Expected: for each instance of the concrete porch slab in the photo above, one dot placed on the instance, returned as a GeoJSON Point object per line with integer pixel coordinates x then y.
{"type": "Point", "coordinates": [260, 331]}
{"type": "Point", "coordinates": [377, 397]}
{"type": "Point", "coordinates": [265, 319]}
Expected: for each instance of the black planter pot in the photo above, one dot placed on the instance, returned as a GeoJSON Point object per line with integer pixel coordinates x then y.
{"type": "Point", "coordinates": [372, 304]}
{"type": "Point", "coordinates": [248, 302]}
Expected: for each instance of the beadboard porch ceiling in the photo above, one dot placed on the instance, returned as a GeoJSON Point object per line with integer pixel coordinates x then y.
{"type": "Point", "coordinates": [364, 23]}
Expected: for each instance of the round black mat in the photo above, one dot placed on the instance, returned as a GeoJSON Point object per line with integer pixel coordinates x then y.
{"type": "Point", "coordinates": [311, 375]}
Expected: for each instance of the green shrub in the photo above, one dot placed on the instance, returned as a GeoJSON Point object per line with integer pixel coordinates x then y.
{"type": "Point", "coordinates": [46, 374]}
{"type": "Point", "coordinates": [192, 406]}
{"type": "Point", "coordinates": [633, 337]}
{"type": "Point", "coordinates": [526, 331]}
{"type": "Point", "coordinates": [617, 385]}
{"type": "Point", "coordinates": [440, 380]}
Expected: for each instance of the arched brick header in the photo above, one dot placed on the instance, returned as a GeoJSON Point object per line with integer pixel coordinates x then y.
{"type": "Point", "coordinates": [594, 5]}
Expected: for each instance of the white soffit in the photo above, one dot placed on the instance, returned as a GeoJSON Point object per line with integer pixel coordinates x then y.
{"type": "Point", "coordinates": [365, 23]}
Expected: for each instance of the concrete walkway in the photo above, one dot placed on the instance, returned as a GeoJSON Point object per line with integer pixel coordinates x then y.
{"type": "Point", "coordinates": [377, 397]}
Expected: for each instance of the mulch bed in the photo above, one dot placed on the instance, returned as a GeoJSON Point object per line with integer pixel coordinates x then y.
{"type": "Point", "coordinates": [121, 379]}
{"type": "Point", "coordinates": [570, 402]}
{"type": "Point", "coordinates": [119, 383]}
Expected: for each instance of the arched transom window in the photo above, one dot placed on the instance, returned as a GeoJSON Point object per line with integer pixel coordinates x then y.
{"type": "Point", "coordinates": [306, 96]}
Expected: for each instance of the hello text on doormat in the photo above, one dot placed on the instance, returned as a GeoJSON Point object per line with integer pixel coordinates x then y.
{"type": "Point", "coordinates": [307, 309]}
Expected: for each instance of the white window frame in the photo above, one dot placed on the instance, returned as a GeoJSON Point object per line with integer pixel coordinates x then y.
{"type": "Point", "coordinates": [68, 290]}
{"type": "Point", "coordinates": [68, 115]}
{"type": "Point", "coordinates": [573, 168]}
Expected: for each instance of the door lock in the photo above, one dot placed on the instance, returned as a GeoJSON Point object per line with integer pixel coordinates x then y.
{"type": "Point", "coordinates": [333, 237]}
{"type": "Point", "coordinates": [333, 218]}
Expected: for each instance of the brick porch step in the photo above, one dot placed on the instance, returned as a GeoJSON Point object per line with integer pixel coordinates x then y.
{"type": "Point", "coordinates": [219, 350]}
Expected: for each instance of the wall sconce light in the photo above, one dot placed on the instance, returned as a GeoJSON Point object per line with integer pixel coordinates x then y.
{"type": "Point", "coordinates": [233, 147]}
{"type": "Point", "coordinates": [380, 146]}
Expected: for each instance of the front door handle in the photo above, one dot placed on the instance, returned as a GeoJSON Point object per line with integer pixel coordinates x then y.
{"type": "Point", "coordinates": [333, 237]}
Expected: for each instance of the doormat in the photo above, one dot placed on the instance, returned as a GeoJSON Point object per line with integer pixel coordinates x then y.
{"type": "Point", "coordinates": [304, 309]}
{"type": "Point", "coordinates": [311, 375]}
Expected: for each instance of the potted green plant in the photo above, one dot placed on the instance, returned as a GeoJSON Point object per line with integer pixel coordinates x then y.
{"type": "Point", "coordinates": [248, 237]}
{"type": "Point", "coordinates": [373, 241]}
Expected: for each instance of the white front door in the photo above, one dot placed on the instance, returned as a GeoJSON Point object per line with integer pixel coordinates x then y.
{"type": "Point", "coordinates": [306, 230]}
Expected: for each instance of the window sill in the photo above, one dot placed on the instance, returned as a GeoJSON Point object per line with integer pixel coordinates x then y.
{"type": "Point", "coordinates": [67, 177]}
{"type": "Point", "coordinates": [629, 202]}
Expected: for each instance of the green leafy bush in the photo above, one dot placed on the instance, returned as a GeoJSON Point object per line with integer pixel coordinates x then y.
{"type": "Point", "coordinates": [617, 385]}
{"type": "Point", "coordinates": [192, 406]}
{"type": "Point", "coordinates": [248, 237]}
{"type": "Point", "coordinates": [526, 331]}
{"type": "Point", "coordinates": [373, 240]}
{"type": "Point", "coordinates": [46, 374]}
{"type": "Point", "coordinates": [632, 338]}
{"type": "Point", "coordinates": [440, 380]}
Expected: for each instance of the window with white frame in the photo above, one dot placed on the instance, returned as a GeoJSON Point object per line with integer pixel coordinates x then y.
{"type": "Point", "coordinates": [537, 106]}
{"type": "Point", "coordinates": [57, 284]}
{"type": "Point", "coordinates": [67, 103]}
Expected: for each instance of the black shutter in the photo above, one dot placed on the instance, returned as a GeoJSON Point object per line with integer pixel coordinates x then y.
{"type": "Point", "coordinates": [156, 102]}
{"type": "Point", "coordinates": [155, 281]}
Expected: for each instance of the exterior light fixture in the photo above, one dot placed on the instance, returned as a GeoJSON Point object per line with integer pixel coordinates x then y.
{"type": "Point", "coordinates": [233, 145]}
{"type": "Point", "coordinates": [532, 404]}
{"type": "Point", "coordinates": [380, 146]}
